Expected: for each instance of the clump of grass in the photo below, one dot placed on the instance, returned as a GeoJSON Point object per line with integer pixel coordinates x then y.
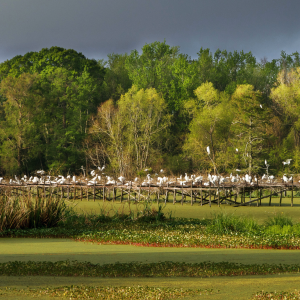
{"type": "Point", "coordinates": [25, 213]}
{"type": "Point", "coordinates": [279, 220]}
{"type": "Point", "coordinates": [223, 223]}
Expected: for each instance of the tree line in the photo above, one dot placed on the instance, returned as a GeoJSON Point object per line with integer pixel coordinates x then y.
{"type": "Point", "coordinates": [152, 109]}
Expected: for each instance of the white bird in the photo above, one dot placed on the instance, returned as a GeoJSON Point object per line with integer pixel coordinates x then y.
{"type": "Point", "coordinates": [208, 150]}
{"type": "Point", "coordinates": [101, 169]}
{"type": "Point", "coordinates": [122, 179]}
{"type": "Point", "coordinates": [180, 177]}
{"type": "Point", "coordinates": [287, 162]}
{"type": "Point", "coordinates": [93, 173]}
{"type": "Point", "coordinates": [161, 171]}
{"type": "Point", "coordinates": [260, 106]}
{"type": "Point", "coordinates": [236, 149]}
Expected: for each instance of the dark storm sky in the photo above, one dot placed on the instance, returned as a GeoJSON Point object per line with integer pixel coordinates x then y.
{"type": "Point", "coordinates": [99, 27]}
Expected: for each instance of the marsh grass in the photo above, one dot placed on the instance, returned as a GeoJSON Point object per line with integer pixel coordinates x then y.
{"type": "Point", "coordinates": [279, 220]}
{"type": "Point", "coordinates": [25, 213]}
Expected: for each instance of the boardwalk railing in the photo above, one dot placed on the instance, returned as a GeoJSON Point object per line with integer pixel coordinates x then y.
{"type": "Point", "coordinates": [239, 194]}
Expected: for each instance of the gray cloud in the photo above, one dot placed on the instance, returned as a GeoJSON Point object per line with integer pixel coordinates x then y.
{"type": "Point", "coordinates": [99, 27]}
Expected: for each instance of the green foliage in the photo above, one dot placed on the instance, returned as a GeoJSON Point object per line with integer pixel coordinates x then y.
{"type": "Point", "coordinates": [223, 223]}
{"type": "Point", "coordinates": [164, 106]}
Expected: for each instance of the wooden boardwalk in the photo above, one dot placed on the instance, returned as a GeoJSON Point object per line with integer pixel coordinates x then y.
{"type": "Point", "coordinates": [237, 194]}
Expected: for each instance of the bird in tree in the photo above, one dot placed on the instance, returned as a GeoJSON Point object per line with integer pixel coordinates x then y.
{"type": "Point", "coordinates": [287, 162]}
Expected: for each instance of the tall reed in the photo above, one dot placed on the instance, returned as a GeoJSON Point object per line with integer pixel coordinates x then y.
{"type": "Point", "coordinates": [24, 212]}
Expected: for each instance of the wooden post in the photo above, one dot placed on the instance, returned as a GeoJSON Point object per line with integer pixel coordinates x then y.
{"type": "Point", "coordinates": [103, 192]}
{"type": "Point", "coordinates": [80, 191]}
{"type": "Point", "coordinates": [121, 198]}
{"type": "Point", "coordinates": [250, 194]}
{"type": "Point", "coordinates": [280, 200]}
{"type": "Point", "coordinates": [292, 196]}
{"type": "Point", "coordinates": [218, 193]}
{"type": "Point", "coordinates": [259, 202]}
{"type": "Point", "coordinates": [87, 192]}
{"type": "Point", "coordinates": [129, 191]}
{"type": "Point", "coordinates": [174, 196]}
{"type": "Point", "coordinates": [94, 193]}
{"type": "Point", "coordinates": [139, 196]}
{"type": "Point", "coordinates": [114, 194]}
{"type": "Point", "coordinates": [192, 193]}
{"type": "Point", "coordinates": [158, 195]}
{"type": "Point", "coordinates": [270, 198]}
{"type": "Point", "coordinates": [235, 195]}
{"type": "Point", "coordinates": [148, 197]}
{"type": "Point", "coordinates": [181, 194]}
{"type": "Point", "coordinates": [167, 192]}
{"type": "Point", "coordinates": [209, 195]}
{"type": "Point", "coordinates": [68, 191]}
{"type": "Point", "coordinates": [201, 196]}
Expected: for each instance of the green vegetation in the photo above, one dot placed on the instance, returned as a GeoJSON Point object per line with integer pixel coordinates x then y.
{"type": "Point", "coordinates": [160, 269]}
{"type": "Point", "coordinates": [16, 212]}
{"type": "Point", "coordinates": [146, 225]}
{"type": "Point", "coordinates": [278, 295]}
{"type": "Point", "coordinates": [118, 293]}
{"type": "Point", "coordinates": [151, 227]}
{"type": "Point", "coordinates": [149, 109]}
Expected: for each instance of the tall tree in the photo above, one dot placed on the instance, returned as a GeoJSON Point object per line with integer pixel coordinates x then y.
{"type": "Point", "coordinates": [19, 133]}
{"type": "Point", "coordinates": [249, 125]}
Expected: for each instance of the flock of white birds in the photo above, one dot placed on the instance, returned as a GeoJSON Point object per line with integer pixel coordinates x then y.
{"type": "Point", "coordinates": [98, 177]}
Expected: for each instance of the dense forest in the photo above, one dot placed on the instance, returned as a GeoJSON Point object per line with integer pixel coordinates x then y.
{"type": "Point", "coordinates": [150, 109]}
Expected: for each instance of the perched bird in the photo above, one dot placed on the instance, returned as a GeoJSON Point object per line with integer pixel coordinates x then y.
{"type": "Point", "coordinates": [208, 150]}
{"type": "Point", "coordinates": [287, 162]}
{"type": "Point", "coordinates": [122, 179]}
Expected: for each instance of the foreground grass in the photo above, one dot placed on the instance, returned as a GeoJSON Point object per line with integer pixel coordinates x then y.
{"type": "Point", "coordinates": [109, 292]}
{"type": "Point", "coordinates": [224, 287]}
